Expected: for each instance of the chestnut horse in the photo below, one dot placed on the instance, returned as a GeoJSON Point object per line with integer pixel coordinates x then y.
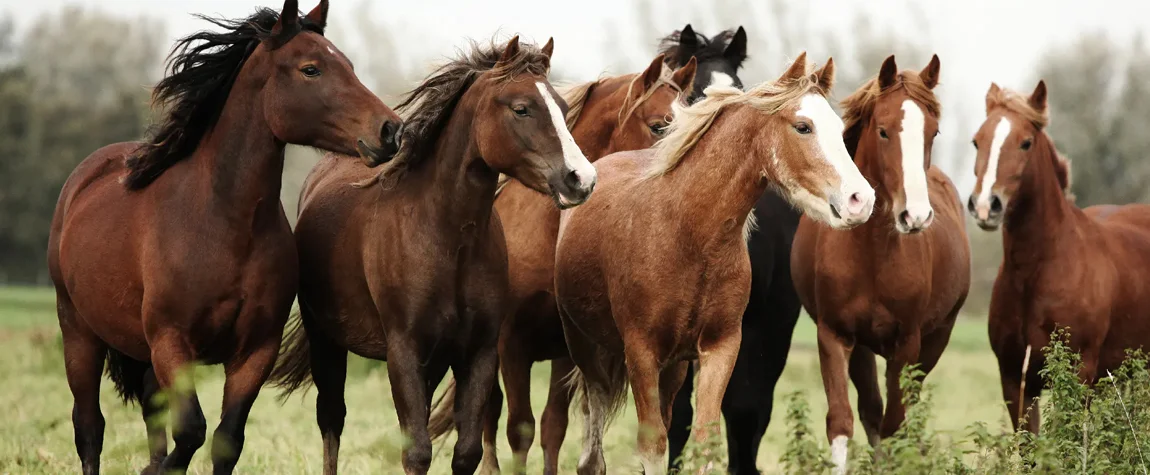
{"type": "Point", "coordinates": [893, 286]}
{"type": "Point", "coordinates": [773, 309]}
{"type": "Point", "coordinates": [1081, 269]}
{"type": "Point", "coordinates": [411, 267]}
{"type": "Point", "coordinates": [654, 271]}
{"type": "Point", "coordinates": [628, 112]}
{"type": "Point", "coordinates": [177, 250]}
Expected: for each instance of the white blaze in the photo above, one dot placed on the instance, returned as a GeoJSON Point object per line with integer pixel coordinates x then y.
{"type": "Point", "coordinates": [572, 156]}
{"type": "Point", "coordinates": [721, 79]}
{"type": "Point", "coordinates": [829, 133]}
{"type": "Point", "coordinates": [1001, 132]}
{"type": "Point", "coordinates": [913, 158]}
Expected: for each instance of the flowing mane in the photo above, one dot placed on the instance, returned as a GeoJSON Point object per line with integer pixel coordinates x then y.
{"type": "Point", "coordinates": [201, 70]}
{"type": "Point", "coordinates": [427, 108]}
{"type": "Point", "coordinates": [858, 107]}
{"type": "Point", "coordinates": [1019, 104]}
{"type": "Point", "coordinates": [709, 48]}
{"type": "Point", "coordinates": [692, 122]}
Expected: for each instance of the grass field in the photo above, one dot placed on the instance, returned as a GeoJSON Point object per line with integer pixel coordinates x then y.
{"type": "Point", "coordinates": [36, 436]}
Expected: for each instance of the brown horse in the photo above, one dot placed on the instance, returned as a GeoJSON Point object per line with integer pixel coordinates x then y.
{"type": "Point", "coordinates": [177, 250]}
{"type": "Point", "coordinates": [410, 267]}
{"type": "Point", "coordinates": [628, 112]}
{"type": "Point", "coordinates": [654, 271]}
{"type": "Point", "coordinates": [1063, 267]}
{"type": "Point", "coordinates": [893, 286]}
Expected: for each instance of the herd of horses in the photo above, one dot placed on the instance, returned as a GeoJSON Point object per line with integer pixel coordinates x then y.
{"type": "Point", "coordinates": [475, 235]}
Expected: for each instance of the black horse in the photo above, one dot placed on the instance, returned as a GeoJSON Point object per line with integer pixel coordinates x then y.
{"type": "Point", "coordinates": [770, 317]}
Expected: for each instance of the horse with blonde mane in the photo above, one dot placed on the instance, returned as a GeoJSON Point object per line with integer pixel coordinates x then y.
{"type": "Point", "coordinates": [409, 265]}
{"type": "Point", "coordinates": [1082, 269]}
{"type": "Point", "coordinates": [893, 286]}
{"type": "Point", "coordinates": [628, 112]}
{"type": "Point", "coordinates": [654, 271]}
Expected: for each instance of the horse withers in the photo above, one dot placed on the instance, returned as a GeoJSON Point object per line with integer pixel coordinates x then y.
{"type": "Point", "coordinates": [654, 271]}
{"type": "Point", "coordinates": [409, 265]}
{"type": "Point", "coordinates": [893, 286]}
{"type": "Point", "coordinates": [1081, 269]}
{"type": "Point", "coordinates": [177, 250]}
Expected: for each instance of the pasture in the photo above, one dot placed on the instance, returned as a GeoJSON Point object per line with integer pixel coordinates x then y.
{"type": "Point", "coordinates": [37, 437]}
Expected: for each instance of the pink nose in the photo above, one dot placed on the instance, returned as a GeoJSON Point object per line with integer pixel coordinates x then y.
{"type": "Point", "coordinates": [855, 204]}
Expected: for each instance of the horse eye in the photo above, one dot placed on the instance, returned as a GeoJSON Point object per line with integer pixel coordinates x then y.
{"type": "Point", "coordinates": [803, 128]}
{"type": "Point", "coordinates": [520, 111]}
{"type": "Point", "coordinates": [658, 129]}
{"type": "Point", "coordinates": [882, 133]}
{"type": "Point", "coordinates": [1026, 144]}
{"type": "Point", "coordinates": [310, 71]}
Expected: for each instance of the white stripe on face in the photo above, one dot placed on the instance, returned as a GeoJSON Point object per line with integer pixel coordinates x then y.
{"type": "Point", "coordinates": [573, 158]}
{"type": "Point", "coordinates": [913, 158]}
{"type": "Point", "coordinates": [829, 131]}
{"type": "Point", "coordinates": [1001, 132]}
{"type": "Point", "coordinates": [721, 79]}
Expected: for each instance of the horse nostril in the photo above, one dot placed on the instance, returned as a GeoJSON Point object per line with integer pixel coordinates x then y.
{"type": "Point", "coordinates": [571, 179]}
{"type": "Point", "coordinates": [995, 204]}
{"type": "Point", "coordinates": [389, 134]}
{"type": "Point", "coordinates": [904, 218]}
{"type": "Point", "coordinates": [855, 203]}
{"type": "Point", "coordinates": [970, 204]}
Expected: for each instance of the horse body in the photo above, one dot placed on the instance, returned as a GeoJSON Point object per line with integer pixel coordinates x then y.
{"type": "Point", "coordinates": [1063, 267]}
{"type": "Point", "coordinates": [893, 286]}
{"type": "Point", "coordinates": [176, 251]}
{"type": "Point", "coordinates": [655, 271]}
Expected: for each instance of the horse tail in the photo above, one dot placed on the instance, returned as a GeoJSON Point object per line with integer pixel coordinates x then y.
{"type": "Point", "coordinates": [608, 390]}
{"type": "Point", "coordinates": [127, 374]}
{"type": "Point", "coordinates": [442, 420]}
{"type": "Point", "coordinates": [293, 368]}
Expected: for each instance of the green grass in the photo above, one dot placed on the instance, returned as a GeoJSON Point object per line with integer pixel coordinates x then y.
{"type": "Point", "coordinates": [36, 436]}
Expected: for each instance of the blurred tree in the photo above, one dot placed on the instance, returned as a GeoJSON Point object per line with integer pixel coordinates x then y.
{"type": "Point", "coordinates": [76, 81]}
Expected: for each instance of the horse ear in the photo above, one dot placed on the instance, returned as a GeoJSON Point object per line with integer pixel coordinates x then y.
{"type": "Point", "coordinates": [653, 72]}
{"type": "Point", "coordinates": [549, 47]}
{"type": "Point", "coordinates": [1038, 97]}
{"type": "Point", "coordinates": [888, 74]}
{"type": "Point", "coordinates": [510, 51]}
{"type": "Point", "coordinates": [684, 77]}
{"type": "Point", "coordinates": [289, 18]}
{"type": "Point", "coordinates": [991, 95]}
{"type": "Point", "coordinates": [929, 74]}
{"type": "Point", "coordinates": [318, 15]}
{"type": "Point", "coordinates": [798, 68]}
{"type": "Point", "coordinates": [688, 44]}
{"type": "Point", "coordinates": [736, 51]}
{"type": "Point", "coordinates": [825, 76]}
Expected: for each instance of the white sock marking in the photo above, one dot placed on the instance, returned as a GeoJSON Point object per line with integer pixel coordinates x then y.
{"type": "Point", "coordinates": [839, 455]}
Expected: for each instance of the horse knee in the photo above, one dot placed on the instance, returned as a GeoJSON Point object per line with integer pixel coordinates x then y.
{"type": "Point", "coordinates": [330, 414]}
{"type": "Point", "coordinates": [417, 458]}
{"type": "Point", "coordinates": [192, 430]}
{"type": "Point", "coordinates": [466, 459]}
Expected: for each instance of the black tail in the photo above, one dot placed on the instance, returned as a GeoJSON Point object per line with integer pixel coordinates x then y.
{"type": "Point", "coordinates": [293, 369]}
{"type": "Point", "coordinates": [128, 376]}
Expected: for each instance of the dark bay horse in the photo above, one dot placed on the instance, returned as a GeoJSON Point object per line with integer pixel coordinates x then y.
{"type": "Point", "coordinates": [628, 112]}
{"type": "Point", "coordinates": [773, 309]}
{"type": "Point", "coordinates": [654, 271]}
{"type": "Point", "coordinates": [177, 250]}
{"type": "Point", "coordinates": [410, 267]}
{"type": "Point", "coordinates": [894, 285]}
{"type": "Point", "coordinates": [1063, 267]}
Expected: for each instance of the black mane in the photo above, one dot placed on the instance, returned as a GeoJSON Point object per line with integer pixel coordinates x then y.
{"type": "Point", "coordinates": [201, 70]}
{"type": "Point", "coordinates": [708, 48]}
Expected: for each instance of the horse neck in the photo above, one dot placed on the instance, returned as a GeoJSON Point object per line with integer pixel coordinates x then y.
{"type": "Point", "coordinates": [717, 184]}
{"type": "Point", "coordinates": [240, 158]}
{"type": "Point", "coordinates": [1037, 212]}
{"type": "Point", "coordinates": [458, 186]}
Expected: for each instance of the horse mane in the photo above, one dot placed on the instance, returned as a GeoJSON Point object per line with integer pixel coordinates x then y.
{"type": "Point", "coordinates": [858, 107]}
{"type": "Point", "coordinates": [428, 107]}
{"type": "Point", "coordinates": [201, 70]}
{"type": "Point", "coordinates": [690, 123]}
{"type": "Point", "coordinates": [709, 48]}
{"type": "Point", "coordinates": [1017, 103]}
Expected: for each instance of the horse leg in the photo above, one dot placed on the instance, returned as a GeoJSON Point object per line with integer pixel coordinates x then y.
{"type": "Point", "coordinates": [473, 383]}
{"type": "Point", "coordinates": [907, 352]}
{"type": "Point", "coordinates": [489, 465]}
{"type": "Point", "coordinates": [554, 424]}
{"type": "Point", "coordinates": [591, 461]}
{"type": "Point", "coordinates": [717, 356]}
{"type": "Point", "coordinates": [834, 354]}
{"type": "Point", "coordinates": [329, 373]}
{"type": "Point", "coordinates": [172, 364]}
{"type": "Point", "coordinates": [409, 392]}
{"type": "Point", "coordinates": [669, 383]}
{"type": "Point", "coordinates": [154, 422]}
{"type": "Point", "coordinates": [515, 364]}
{"type": "Point", "coordinates": [644, 374]}
{"type": "Point", "coordinates": [681, 414]}
{"type": "Point", "coordinates": [747, 401]}
{"type": "Point", "coordinates": [84, 356]}
{"type": "Point", "coordinates": [864, 375]}
{"type": "Point", "coordinates": [243, 378]}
